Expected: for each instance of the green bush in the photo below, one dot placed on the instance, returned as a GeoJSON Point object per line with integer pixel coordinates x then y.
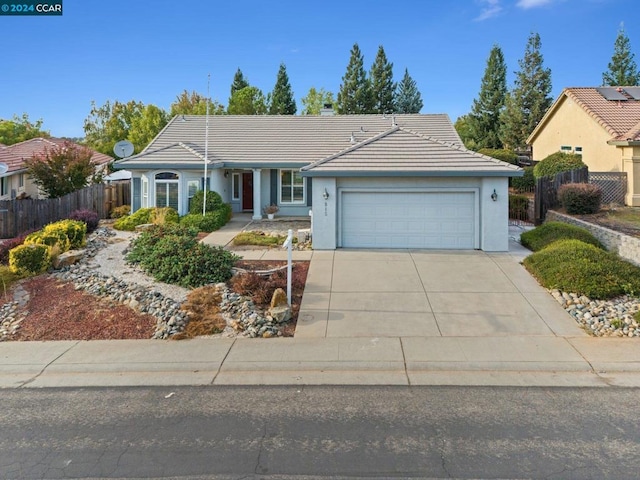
{"type": "Point", "coordinates": [577, 267]}
{"type": "Point", "coordinates": [214, 201]}
{"type": "Point", "coordinates": [519, 207]}
{"type": "Point", "coordinates": [259, 238]}
{"type": "Point", "coordinates": [525, 183]}
{"type": "Point", "coordinates": [210, 222]}
{"type": "Point", "coordinates": [580, 198]}
{"type": "Point", "coordinates": [147, 215]}
{"type": "Point", "coordinates": [171, 254]}
{"type": "Point", "coordinates": [29, 259]}
{"type": "Point", "coordinates": [53, 239]}
{"type": "Point", "coordinates": [75, 230]}
{"type": "Point", "coordinates": [119, 212]}
{"type": "Point", "coordinates": [500, 154]}
{"type": "Point", "coordinates": [550, 232]}
{"type": "Point", "coordinates": [556, 163]}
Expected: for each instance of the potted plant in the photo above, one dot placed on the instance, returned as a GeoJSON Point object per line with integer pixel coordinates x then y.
{"type": "Point", "coordinates": [270, 211]}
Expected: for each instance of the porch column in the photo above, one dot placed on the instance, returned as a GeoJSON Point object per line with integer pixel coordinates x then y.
{"type": "Point", "coordinates": [257, 209]}
{"type": "Point", "coordinates": [632, 167]}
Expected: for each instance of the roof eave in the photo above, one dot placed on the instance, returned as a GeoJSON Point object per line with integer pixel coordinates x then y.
{"type": "Point", "coordinates": [624, 143]}
{"type": "Point", "coordinates": [396, 173]}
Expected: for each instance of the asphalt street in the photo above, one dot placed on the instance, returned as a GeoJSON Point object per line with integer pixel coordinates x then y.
{"type": "Point", "coordinates": [320, 432]}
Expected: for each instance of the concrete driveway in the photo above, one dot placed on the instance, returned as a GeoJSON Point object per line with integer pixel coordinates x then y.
{"type": "Point", "coordinates": [403, 293]}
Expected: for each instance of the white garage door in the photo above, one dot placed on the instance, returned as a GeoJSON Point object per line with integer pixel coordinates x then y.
{"type": "Point", "coordinates": [408, 220]}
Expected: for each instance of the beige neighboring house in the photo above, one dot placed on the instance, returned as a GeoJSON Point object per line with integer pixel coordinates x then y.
{"type": "Point", "coordinates": [15, 182]}
{"type": "Point", "coordinates": [600, 123]}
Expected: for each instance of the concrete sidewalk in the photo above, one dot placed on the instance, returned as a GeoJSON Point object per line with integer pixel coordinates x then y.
{"type": "Point", "coordinates": [367, 318]}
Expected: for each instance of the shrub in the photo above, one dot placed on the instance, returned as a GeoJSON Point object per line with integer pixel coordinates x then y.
{"type": "Point", "coordinates": [556, 163]}
{"type": "Point", "coordinates": [580, 198]}
{"type": "Point", "coordinates": [519, 207]}
{"type": "Point", "coordinates": [577, 267]}
{"type": "Point", "coordinates": [210, 222]}
{"type": "Point", "coordinates": [75, 230]}
{"type": "Point", "coordinates": [147, 215]}
{"type": "Point", "coordinates": [259, 238]}
{"type": "Point", "coordinates": [29, 259]}
{"type": "Point", "coordinates": [119, 212]}
{"type": "Point", "coordinates": [214, 202]}
{"type": "Point", "coordinates": [260, 288]}
{"type": "Point", "coordinates": [9, 244]}
{"type": "Point", "coordinates": [550, 232]}
{"type": "Point", "coordinates": [526, 183]}
{"type": "Point", "coordinates": [500, 154]}
{"type": "Point", "coordinates": [56, 238]}
{"type": "Point", "coordinates": [164, 215]}
{"type": "Point", "coordinates": [143, 245]}
{"type": "Point", "coordinates": [89, 217]}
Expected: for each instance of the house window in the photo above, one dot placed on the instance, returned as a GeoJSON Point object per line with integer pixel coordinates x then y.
{"type": "Point", "coordinates": [578, 150]}
{"type": "Point", "coordinates": [565, 148]}
{"type": "Point", "coordinates": [145, 193]}
{"type": "Point", "coordinates": [235, 186]}
{"type": "Point", "coordinates": [21, 181]}
{"type": "Point", "coordinates": [192, 188]}
{"type": "Point", "coordinates": [167, 190]}
{"type": "Point", "coordinates": [291, 187]}
{"type": "Point", "coordinates": [4, 186]}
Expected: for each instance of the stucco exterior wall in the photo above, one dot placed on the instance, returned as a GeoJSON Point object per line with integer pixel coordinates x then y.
{"type": "Point", "coordinates": [570, 125]}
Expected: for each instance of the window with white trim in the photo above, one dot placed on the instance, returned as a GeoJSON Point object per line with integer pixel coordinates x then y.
{"type": "Point", "coordinates": [192, 187]}
{"type": "Point", "coordinates": [578, 150]}
{"type": "Point", "coordinates": [235, 186]}
{"type": "Point", "coordinates": [21, 181]}
{"type": "Point", "coordinates": [167, 190]}
{"type": "Point", "coordinates": [292, 187]}
{"type": "Point", "coordinates": [4, 186]}
{"type": "Point", "coordinates": [565, 148]}
{"type": "Point", "coordinates": [145, 193]}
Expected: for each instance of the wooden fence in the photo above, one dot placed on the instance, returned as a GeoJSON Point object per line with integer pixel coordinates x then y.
{"type": "Point", "coordinates": [19, 216]}
{"type": "Point", "coordinates": [547, 190]}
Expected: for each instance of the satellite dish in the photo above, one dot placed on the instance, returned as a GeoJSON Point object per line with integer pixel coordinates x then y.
{"type": "Point", "coordinates": [3, 168]}
{"type": "Point", "coordinates": [124, 148]}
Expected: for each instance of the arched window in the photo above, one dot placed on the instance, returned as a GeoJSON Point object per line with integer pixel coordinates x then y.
{"type": "Point", "coordinates": [167, 189]}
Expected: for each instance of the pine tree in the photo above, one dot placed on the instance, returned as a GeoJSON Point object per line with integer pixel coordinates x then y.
{"type": "Point", "coordinates": [239, 82]}
{"type": "Point", "coordinates": [527, 102]}
{"type": "Point", "coordinates": [484, 120]}
{"type": "Point", "coordinates": [408, 98]}
{"type": "Point", "coordinates": [355, 91]}
{"type": "Point", "coordinates": [282, 102]}
{"type": "Point", "coordinates": [623, 70]}
{"type": "Point", "coordinates": [382, 85]}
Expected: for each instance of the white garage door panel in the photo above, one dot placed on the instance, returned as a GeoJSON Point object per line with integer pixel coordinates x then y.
{"type": "Point", "coordinates": [408, 220]}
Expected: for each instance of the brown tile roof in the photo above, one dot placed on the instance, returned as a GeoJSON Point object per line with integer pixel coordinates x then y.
{"type": "Point", "coordinates": [399, 151]}
{"type": "Point", "coordinates": [621, 119]}
{"type": "Point", "coordinates": [15, 155]}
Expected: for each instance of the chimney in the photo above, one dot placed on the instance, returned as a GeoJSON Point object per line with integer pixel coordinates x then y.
{"type": "Point", "coordinates": [327, 110]}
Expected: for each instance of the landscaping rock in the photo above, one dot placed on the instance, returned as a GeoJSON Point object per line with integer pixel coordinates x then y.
{"type": "Point", "coordinates": [67, 258]}
{"type": "Point", "coordinates": [279, 298]}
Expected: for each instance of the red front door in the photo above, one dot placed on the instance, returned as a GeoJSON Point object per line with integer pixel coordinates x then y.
{"type": "Point", "coordinates": [247, 191]}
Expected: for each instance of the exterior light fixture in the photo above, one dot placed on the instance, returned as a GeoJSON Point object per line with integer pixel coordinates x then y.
{"type": "Point", "coordinates": [494, 195]}
{"type": "Point", "coordinates": [325, 194]}
{"type": "Point", "coordinates": [226, 173]}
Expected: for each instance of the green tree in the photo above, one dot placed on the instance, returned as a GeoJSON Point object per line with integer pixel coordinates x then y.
{"type": "Point", "coordinates": [247, 101]}
{"type": "Point", "coordinates": [623, 70]}
{"type": "Point", "coordinates": [239, 82]}
{"type": "Point", "coordinates": [194, 104]}
{"type": "Point", "coordinates": [382, 85]}
{"type": "Point", "coordinates": [527, 102]}
{"type": "Point", "coordinates": [484, 119]}
{"type": "Point", "coordinates": [315, 100]}
{"type": "Point", "coordinates": [463, 127]}
{"type": "Point", "coordinates": [20, 129]}
{"type": "Point", "coordinates": [355, 91]}
{"type": "Point", "coordinates": [408, 98]}
{"type": "Point", "coordinates": [281, 99]}
{"type": "Point", "coordinates": [145, 127]}
{"type": "Point", "coordinates": [62, 170]}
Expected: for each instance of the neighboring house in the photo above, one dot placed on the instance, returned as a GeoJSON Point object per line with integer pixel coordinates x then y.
{"type": "Point", "coordinates": [401, 181]}
{"type": "Point", "coordinates": [602, 124]}
{"type": "Point", "coordinates": [15, 181]}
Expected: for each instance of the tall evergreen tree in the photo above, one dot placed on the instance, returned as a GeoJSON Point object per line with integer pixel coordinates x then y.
{"type": "Point", "coordinates": [355, 91]}
{"type": "Point", "coordinates": [484, 120]}
{"type": "Point", "coordinates": [247, 101]}
{"type": "Point", "coordinates": [239, 82]}
{"type": "Point", "coordinates": [382, 85]}
{"type": "Point", "coordinates": [408, 98]}
{"type": "Point", "coordinates": [622, 67]}
{"type": "Point", "coordinates": [315, 100]}
{"type": "Point", "coordinates": [282, 102]}
{"type": "Point", "coordinates": [527, 102]}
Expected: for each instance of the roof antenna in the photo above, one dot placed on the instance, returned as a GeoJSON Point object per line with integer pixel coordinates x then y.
{"type": "Point", "coordinates": [393, 120]}
{"type": "Point", "coordinates": [352, 140]}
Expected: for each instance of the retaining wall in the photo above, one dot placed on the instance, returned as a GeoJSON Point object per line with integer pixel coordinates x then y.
{"type": "Point", "coordinates": [624, 245]}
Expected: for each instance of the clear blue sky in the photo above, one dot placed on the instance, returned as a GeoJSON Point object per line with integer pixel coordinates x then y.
{"type": "Point", "coordinates": [150, 51]}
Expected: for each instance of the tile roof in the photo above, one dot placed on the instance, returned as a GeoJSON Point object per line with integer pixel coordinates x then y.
{"type": "Point", "coordinates": [15, 155]}
{"type": "Point", "coordinates": [264, 139]}
{"type": "Point", "coordinates": [621, 119]}
{"type": "Point", "coordinates": [400, 151]}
